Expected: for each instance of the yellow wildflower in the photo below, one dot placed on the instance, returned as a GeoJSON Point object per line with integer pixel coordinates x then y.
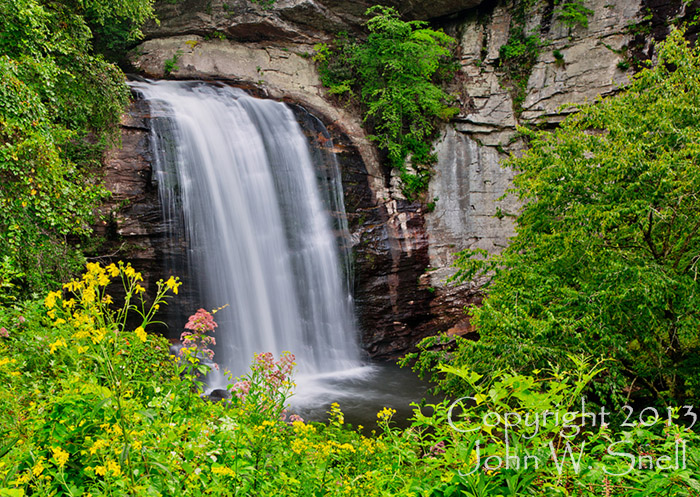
{"type": "Point", "coordinates": [73, 286]}
{"type": "Point", "coordinates": [298, 446]}
{"type": "Point", "coordinates": [81, 349]}
{"type": "Point", "coordinates": [223, 470]}
{"type": "Point", "coordinates": [38, 467]}
{"type": "Point", "coordinates": [113, 270]}
{"type": "Point", "coordinates": [58, 343]}
{"type": "Point", "coordinates": [129, 271]}
{"type": "Point", "coordinates": [6, 360]}
{"type": "Point", "coordinates": [107, 299]}
{"type": "Point", "coordinates": [60, 456]}
{"type": "Point", "coordinates": [89, 295]}
{"type": "Point", "coordinates": [114, 467]}
{"type": "Point", "coordinates": [336, 415]}
{"type": "Point", "coordinates": [99, 444]}
{"type": "Point", "coordinates": [21, 480]}
{"type": "Point", "coordinates": [141, 333]}
{"type": "Point", "coordinates": [51, 298]}
{"type": "Point", "coordinates": [386, 414]}
{"type": "Point", "coordinates": [100, 470]}
{"type": "Point", "coordinates": [93, 268]}
{"type": "Point", "coordinates": [98, 335]}
{"type": "Point", "coordinates": [173, 284]}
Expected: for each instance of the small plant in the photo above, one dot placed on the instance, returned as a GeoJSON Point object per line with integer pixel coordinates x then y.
{"type": "Point", "coordinates": [264, 391]}
{"type": "Point", "coordinates": [516, 59]}
{"type": "Point", "coordinates": [170, 65]}
{"type": "Point", "coordinates": [265, 4]}
{"type": "Point", "coordinates": [558, 58]}
{"type": "Point", "coordinates": [573, 13]}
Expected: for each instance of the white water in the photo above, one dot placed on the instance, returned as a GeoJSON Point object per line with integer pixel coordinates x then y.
{"type": "Point", "coordinates": [236, 179]}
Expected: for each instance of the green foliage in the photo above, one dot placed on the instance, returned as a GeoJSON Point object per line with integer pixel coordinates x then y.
{"type": "Point", "coordinates": [573, 13]}
{"type": "Point", "coordinates": [265, 4]}
{"type": "Point", "coordinates": [605, 260]}
{"type": "Point", "coordinates": [92, 406]}
{"type": "Point", "coordinates": [116, 25]}
{"type": "Point", "coordinates": [558, 58]}
{"type": "Point", "coordinates": [171, 63]}
{"type": "Point", "coordinates": [516, 59]}
{"type": "Point", "coordinates": [396, 75]}
{"type": "Point", "coordinates": [515, 435]}
{"type": "Point", "coordinates": [59, 107]}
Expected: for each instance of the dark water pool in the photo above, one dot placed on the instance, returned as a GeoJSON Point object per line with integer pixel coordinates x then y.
{"type": "Point", "coordinates": [361, 393]}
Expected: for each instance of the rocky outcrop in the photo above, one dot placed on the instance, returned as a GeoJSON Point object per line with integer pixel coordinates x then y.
{"type": "Point", "coordinates": [403, 250]}
{"type": "Point", "coordinates": [296, 21]}
{"type": "Point", "coordinates": [469, 185]}
{"type": "Point", "coordinates": [284, 72]}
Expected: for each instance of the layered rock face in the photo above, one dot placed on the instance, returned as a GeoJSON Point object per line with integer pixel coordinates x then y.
{"type": "Point", "coordinates": [403, 250]}
{"type": "Point", "coordinates": [296, 21]}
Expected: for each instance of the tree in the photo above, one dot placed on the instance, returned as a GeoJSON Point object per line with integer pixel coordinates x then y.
{"type": "Point", "coordinates": [605, 259]}
{"type": "Point", "coordinates": [60, 105]}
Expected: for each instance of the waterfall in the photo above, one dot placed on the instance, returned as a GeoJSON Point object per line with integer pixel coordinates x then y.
{"type": "Point", "coordinates": [238, 186]}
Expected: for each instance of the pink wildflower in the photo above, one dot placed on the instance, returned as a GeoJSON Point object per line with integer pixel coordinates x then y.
{"type": "Point", "coordinates": [201, 322]}
{"type": "Point", "coordinates": [4, 333]}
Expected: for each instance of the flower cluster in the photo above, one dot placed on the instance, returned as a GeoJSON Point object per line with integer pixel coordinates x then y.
{"type": "Point", "coordinates": [386, 414]}
{"type": "Point", "coordinates": [199, 324]}
{"type": "Point", "coordinates": [201, 321]}
{"type": "Point", "coordinates": [268, 385]}
{"type": "Point", "coordinates": [335, 415]}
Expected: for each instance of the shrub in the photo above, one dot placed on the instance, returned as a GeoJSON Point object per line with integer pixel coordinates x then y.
{"type": "Point", "coordinates": [60, 106]}
{"type": "Point", "coordinates": [396, 74]}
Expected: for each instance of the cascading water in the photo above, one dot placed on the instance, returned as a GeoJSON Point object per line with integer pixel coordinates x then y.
{"type": "Point", "coordinates": [237, 181]}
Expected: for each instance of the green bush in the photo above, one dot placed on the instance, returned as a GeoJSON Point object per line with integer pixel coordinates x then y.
{"type": "Point", "coordinates": [396, 75]}
{"type": "Point", "coordinates": [59, 108]}
{"type": "Point", "coordinates": [573, 13]}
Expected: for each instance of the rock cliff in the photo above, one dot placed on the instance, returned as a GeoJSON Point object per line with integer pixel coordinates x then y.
{"type": "Point", "coordinates": [404, 250]}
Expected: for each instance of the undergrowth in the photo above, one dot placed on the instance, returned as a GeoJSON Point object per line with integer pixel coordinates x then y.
{"type": "Point", "coordinates": [92, 406]}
